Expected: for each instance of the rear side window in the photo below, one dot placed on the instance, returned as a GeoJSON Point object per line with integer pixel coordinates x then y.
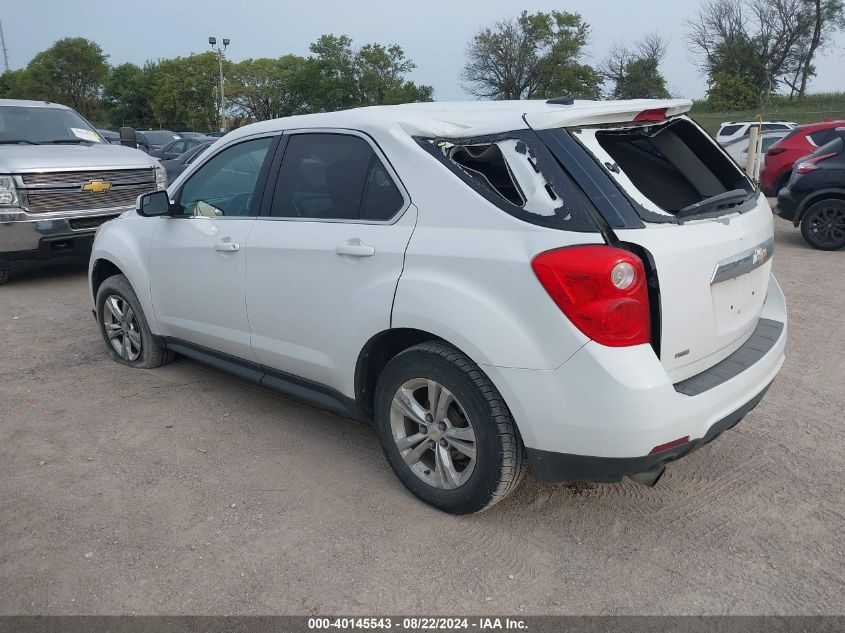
{"type": "Point", "coordinates": [674, 165]}
{"type": "Point", "coordinates": [729, 130]}
{"type": "Point", "coordinates": [334, 177]}
{"type": "Point", "coordinates": [820, 137]}
{"type": "Point", "coordinates": [516, 172]}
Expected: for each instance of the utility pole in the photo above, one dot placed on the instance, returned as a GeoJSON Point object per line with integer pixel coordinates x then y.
{"type": "Point", "coordinates": [220, 52]}
{"type": "Point", "coordinates": [3, 46]}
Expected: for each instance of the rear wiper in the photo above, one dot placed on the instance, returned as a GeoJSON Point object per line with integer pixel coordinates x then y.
{"type": "Point", "coordinates": [17, 141]}
{"type": "Point", "coordinates": [726, 199]}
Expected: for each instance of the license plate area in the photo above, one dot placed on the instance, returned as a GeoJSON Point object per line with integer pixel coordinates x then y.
{"type": "Point", "coordinates": [86, 224]}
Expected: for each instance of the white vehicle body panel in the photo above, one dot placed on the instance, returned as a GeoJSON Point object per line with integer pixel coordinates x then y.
{"type": "Point", "coordinates": [312, 309]}
{"type": "Point", "coordinates": [457, 267]}
{"type": "Point", "coordinates": [197, 290]}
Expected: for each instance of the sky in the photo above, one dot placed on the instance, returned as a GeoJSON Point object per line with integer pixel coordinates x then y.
{"type": "Point", "coordinates": [433, 33]}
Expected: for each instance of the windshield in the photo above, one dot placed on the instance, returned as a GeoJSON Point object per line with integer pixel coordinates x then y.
{"type": "Point", "coordinates": [40, 125]}
{"type": "Point", "coordinates": [160, 138]}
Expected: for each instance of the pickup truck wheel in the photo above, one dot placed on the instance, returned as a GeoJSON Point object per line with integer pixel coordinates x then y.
{"type": "Point", "coordinates": [823, 225]}
{"type": "Point", "coordinates": [446, 430]}
{"type": "Point", "coordinates": [124, 326]}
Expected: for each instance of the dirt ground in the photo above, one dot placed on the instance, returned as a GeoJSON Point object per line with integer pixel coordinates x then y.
{"type": "Point", "coordinates": [183, 490]}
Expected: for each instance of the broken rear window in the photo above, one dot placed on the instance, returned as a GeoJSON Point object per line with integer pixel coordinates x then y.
{"type": "Point", "coordinates": [673, 165]}
{"type": "Point", "coordinates": [516, 172]}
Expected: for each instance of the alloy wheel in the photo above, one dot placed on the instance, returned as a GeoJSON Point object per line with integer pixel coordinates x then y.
{"type": "Point", "coordinates": [122, 329]}
{"type": "Point", "coordinates": [433, 433]}
{"type": "Point", "coordinates": [828, 223]}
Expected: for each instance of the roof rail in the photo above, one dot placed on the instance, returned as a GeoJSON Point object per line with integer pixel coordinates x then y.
{"type": "Point", "coordinates": [564, 100]}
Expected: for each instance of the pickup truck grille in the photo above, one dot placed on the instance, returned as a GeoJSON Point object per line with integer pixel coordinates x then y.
{"type": "Point", "coordinates": [79, 178]}
{"type": "Point", "coordinates": [47, 200]}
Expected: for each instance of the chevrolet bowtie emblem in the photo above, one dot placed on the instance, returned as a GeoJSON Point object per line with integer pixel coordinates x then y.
{"type": "Point", "coordinates": [96, 186]}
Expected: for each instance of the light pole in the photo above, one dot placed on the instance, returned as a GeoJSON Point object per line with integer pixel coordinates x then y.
{"type": "Point", "coordinates": [220, 52]}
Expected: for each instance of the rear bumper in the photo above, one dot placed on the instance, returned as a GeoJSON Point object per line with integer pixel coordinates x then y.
{"type": "Point", "coordinates": [552, 467]}
{"type": "Point", "coordinates": [788, 206]}
{"type": "Point", "coordinates": [28, 236]}
{"type": "Point", "coordinates": [599, 416]}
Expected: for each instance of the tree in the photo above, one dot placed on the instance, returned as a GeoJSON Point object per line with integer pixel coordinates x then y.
{"type": "Point", "coordinates": [827, 17]}
{"type": "Point", "coordinates": [765, 42]}
{"type": "Point", "coordinates": [17, 84]}
{"type": "Point", "coordinates": [534, 56]}
{"type": "Point", "coordinates": [128, 94]}
{"type": "Point", "coordinates": [342, 77]}
{"type": "Point", "coordinates": [186, 92]}
{"type": "Point", "coordinates": [732, 92]}
{"type": "Point", "coordinates": [71, 72]}
{"type": "Point", "coordinates": [379, 76]}
{"type": "Point", "coordinates": [265, 88]}
{"type": "Point", "coordinates": [635, 73]}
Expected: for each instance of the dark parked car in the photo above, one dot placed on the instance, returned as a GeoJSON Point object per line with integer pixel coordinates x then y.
{"type": "Point", "coordinates": [111, 137]}
{"type": "Point", "coordinates": [192, 134]}
{"type": "Point", "coordinates": [152, 140]}
{"type": "Point", "coordinates": [176, 166]}
{"type": "Point", "coordinates": [814, 198]}
{"type": "Point", "coordinates": [177, 147]}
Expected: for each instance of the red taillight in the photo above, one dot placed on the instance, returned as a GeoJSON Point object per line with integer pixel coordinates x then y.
{"type": "Point", "coordinates": [601, 289]}
{"type": "Point", "coordinates": [806, 166]}
{"type": "Point", "coordinates": [774, 151]}
{"type": "Point", "coordinates": [658, 114]}
{"type": "Point", "coordinates": [665, 447]}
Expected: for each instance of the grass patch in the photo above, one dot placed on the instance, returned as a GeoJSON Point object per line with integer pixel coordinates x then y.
{"type": "Point", "coordinates": [812, 109]}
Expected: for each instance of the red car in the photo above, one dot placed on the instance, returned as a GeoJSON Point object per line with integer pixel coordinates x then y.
{"type": "Point", "coordinates": [803, 140]}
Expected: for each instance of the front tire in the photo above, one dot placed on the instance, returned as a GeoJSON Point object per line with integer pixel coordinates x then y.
{"type": "Point", "coordinates": [124, 326]}
{"type": "Point", "coordinates": [446, 430]}
{"type": "Point", "coordinates": [823, 225]}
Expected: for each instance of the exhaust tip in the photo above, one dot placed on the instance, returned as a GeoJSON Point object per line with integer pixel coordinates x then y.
{"type": "Point", "coordinates": [648, 478]}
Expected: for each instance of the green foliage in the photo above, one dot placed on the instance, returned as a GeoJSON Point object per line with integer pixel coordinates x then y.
{"type": "Point", "coordinates": [732, 92]}
{"type": "Point", "coordinates": [811, 109]}
{"type": "Point", "coordinates": [342, 77]}
{"type": "Point", "coordinates": [642, 80]}
{"type": "Point", "coordinates": [128, 95]}
{"type": "Point", "coordinates": [534, 56]}
{"type": "Point", "coordinates": [186, 92]}
{"type": "Point", "coordinates": [72, 72]}
{"type": "Point", "coordinates": [263, 88]}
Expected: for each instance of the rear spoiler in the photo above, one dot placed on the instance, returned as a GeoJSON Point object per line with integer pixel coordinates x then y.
{"type": "Point", "coordinates": [602, 113]}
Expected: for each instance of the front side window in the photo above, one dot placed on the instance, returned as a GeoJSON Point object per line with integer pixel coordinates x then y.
{"type": "Point", "coordinates": [334, 177]}
{"type": "Point", "coordinates": [225, 185]}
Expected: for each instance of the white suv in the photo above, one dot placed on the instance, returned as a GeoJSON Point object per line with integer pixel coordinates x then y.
{"type": "Point", "coordinates": [732, 131]}
{"type": "Point", "coordinates": [581, 287]}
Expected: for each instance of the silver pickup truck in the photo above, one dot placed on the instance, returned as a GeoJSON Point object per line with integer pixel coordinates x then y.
{"type": "Point", "coordinates": [59, 180]}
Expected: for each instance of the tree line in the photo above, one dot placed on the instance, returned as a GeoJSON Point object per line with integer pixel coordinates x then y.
{"type": "Point", "coordinates": [748, 50]}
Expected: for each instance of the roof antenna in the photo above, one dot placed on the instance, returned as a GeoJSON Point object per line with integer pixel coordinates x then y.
{"type": "Point", "coordinates": [564, 100]}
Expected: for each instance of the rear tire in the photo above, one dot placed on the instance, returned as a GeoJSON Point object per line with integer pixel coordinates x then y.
{"type": "Point", "coordinates": [446, 431]}
{"type": "Point", "coordinates": [823, 225]}
{"type": "Point", "coordinates": [124, 326]}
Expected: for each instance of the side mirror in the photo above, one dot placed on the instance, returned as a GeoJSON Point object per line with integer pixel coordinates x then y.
{"type": "Point", "coordinates": [153, 204]}
{"type": "Point", "coordinates": [128, 137]}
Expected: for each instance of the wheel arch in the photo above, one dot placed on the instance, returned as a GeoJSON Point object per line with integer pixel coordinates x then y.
{"type": "Point", "coordinates": [375, 355]}
{"type": "Point", "coordinates": [817, 196]}
{"type": "Point", "coordinates": [101, 270]}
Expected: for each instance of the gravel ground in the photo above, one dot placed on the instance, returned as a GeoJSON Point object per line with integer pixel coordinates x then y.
{"type": "Point", "coordinates": [183, 490]}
